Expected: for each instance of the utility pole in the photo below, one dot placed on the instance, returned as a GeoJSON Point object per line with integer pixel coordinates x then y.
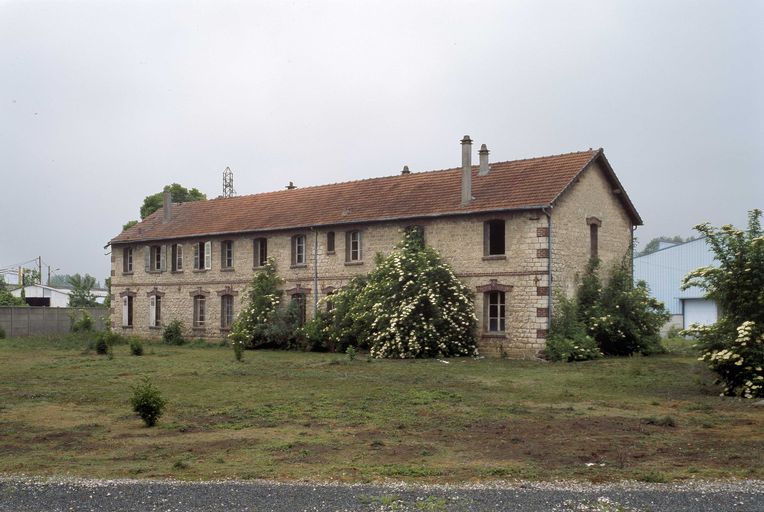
{"type": "Point", "coordinates": [39, 270]}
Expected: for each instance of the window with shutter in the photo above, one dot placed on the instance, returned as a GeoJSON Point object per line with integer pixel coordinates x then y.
{"type": "Point", "coordinates": [207, 255]}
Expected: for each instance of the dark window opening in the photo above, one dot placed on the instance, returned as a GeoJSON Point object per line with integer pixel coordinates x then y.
{"type": "Point", "coordinates": [226, 253]}
{"type": "Point", "coordinates": [593, 240]}
{"type": "Point", "coordinates": [330, 242]}
{"type": "Point", "coordinates": [494, 238]}
{"type": "Point", "coordinates": [260, 251]}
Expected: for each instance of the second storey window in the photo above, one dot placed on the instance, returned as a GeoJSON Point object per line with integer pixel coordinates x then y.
{"type": "Point", "coordinates": [493, 238]}
{"type": "Point", "coordinates": [200, 311]}
{"type": "Point", "coordinates": [353, 250]}
{"type": "Point", "coordinates": [177, 257]}
{"type": "Point", "coordinates": [330, 242]}
{"type": "Point", "coordinates": [495, 311]}
{"type": "Point", "coordinates": [127, 260]}
{"type": "Point", "coordinates": [226, 254]}
{"type": "Point", "coordinates": [202, 256]}
{"type": "Point", "coordinates": [260, 251]}
{"type": "Point", "coordinates": [298, 250]}
{"type": "Point", "coordinates": [156, 258]}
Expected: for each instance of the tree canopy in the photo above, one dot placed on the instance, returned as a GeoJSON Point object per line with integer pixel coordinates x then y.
{"type": "Point", "coordinates": [81, 294]}
{"type": "Point", "coordinates": [180, 194]}
{"type": "Point", "coordinates": [654, 244]}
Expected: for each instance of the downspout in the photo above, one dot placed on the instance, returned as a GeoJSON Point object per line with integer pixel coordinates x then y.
{"type": "Point", "coordinates": [631, 250]}
{"type": "Point", "coordinates": [315, 273]}
{"type": "Point", "coordinates": [549, 267]}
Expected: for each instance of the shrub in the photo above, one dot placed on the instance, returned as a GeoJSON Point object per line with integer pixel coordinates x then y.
{"type": "Point", "coordinates": [136, 347]}
{"type": "Point", "coordinates": [411, 305]}
{"type": "Point", "coordinates": [734, 346]}
{"type": "Point", "coordinates": [147, 402]}
{"type": "Point", "coordinates": [238, 349]}
{"type": "Point", "coordinates": [567, 339]}
{"type": "Point", "coordinates": [173, 333]}
{"type": "Point", "coordinates": [2, 333]}
{"type": "Point", "coordinates": [350, 351]}
{"type": "Point", "coordinates": [622, 317]}
{"type": "Point", "coordinates": [263, 322]}
{"type": "Point", "coordinates": [83, 324]}
{"type": "Point", "coordinates": [102, 345]}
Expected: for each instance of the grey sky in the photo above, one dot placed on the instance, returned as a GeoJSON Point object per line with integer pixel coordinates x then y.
{"type": "Point", "coordinates": [103, 103]}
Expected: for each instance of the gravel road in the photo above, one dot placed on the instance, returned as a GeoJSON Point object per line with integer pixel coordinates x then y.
{"type": "Point", "coordinates": [20, 494]}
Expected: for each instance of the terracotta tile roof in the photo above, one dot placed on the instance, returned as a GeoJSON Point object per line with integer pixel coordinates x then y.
{"type": "Point", "coordinates": [516, 185]}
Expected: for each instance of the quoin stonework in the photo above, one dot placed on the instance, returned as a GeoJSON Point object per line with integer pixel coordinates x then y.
{"type": "Point", "coordinates": [512, 231]}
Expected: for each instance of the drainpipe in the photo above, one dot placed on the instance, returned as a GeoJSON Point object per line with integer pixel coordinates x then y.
{"type": "Point", "coordinates": [548, 214]}
{"type": "Point", "coordinates": [631, 249]}
{"type": "Point", "coordinates": [315, 273]}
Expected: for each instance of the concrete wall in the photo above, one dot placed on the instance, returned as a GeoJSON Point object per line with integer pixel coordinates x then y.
{"type": "Point", "coordinates": [30, 321]}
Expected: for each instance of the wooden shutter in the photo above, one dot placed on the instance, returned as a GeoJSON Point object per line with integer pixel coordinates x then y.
{"type": "Point", "coordinates": [360, 246]}
{"type": "Point", "coordinates": [197, 263]}
{"type": "Point", "coordinates": [179, 257]}
{"type": "Point", "coordinates": [163, 259]}
{"type": "Point", "coordinates": [207, 255]}
{"type": "Point", "coordinates": [147, 258]}
{"type": "Point", "coordinates": [124, 310]}
{"type": "Point", "coordinates": [153, 310]}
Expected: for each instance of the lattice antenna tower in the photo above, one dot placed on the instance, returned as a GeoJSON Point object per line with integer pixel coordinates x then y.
{"type": "Point", "coordinates": [228, 190]}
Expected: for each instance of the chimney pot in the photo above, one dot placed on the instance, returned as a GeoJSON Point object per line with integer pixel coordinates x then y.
{"type": "Point", "coordinates": [167, 215]}
{"type": "Point", "coordinates": [405, 170]}
{"type": "Point", "coordinates": [484, 168]}
{"type": "Point", "coordinates": [466, 170]}
{"type": "Point", "coordinates": [291, 186]}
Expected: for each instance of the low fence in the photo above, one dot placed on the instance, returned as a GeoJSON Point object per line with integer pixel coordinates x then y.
{"type": "Point", "coordinates": [18, 322]}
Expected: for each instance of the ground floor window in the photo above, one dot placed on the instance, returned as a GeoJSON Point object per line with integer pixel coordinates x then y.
{"type": "Point", "coordinates": [226, 311]}
{"type": "Point", "coordinates": [127, 311]}
{"type": "Point", "coordinates": [155, 311]}
{"type": "Point", "coordinates": [200, 313]}
{"type": "Point", "coordinates": [495, 311]}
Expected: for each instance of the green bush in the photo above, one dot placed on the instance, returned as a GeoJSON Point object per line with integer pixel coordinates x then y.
{"type": "Point", "coordinates": [734, 346]}
{"type": "Point", "coordinates": [136, 347]}
{"type": "Point", "coordinates": [173, 333]}
{"type": "Point", "coordinates": [102, 345]}
{"type": "Point", "coordinates": [410, 305]}
{"type": "Point", "coordinates": [82, 324]}
{"type": "Point", "coordinates": [622, 317]}
{"type": "Point", "coordinates": [2, 333]}
{"type": "Point", "coordinates": [238, 350]}
{"type": "Point", "coordinates": [567, 339]}
{"type": "Point", "coordinates": [147, 402]}
{"type": "Point", "coordinates": [350, 351]}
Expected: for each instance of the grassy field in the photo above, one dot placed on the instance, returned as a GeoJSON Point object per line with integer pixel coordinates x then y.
{"type": "Point", "coordinates": [287, 415]}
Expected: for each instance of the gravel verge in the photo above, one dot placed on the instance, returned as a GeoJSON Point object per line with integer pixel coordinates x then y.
{"type": "Point", "coordinates": [21, 494]}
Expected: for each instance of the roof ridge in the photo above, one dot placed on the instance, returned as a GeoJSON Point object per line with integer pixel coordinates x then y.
{"type": "Point", "coordinates": [310, 187]}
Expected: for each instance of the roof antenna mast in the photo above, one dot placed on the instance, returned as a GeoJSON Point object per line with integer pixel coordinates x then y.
{"type": "Point", "coordinates": [228, 190]}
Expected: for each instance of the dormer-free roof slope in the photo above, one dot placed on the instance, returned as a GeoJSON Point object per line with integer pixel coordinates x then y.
{"type": "Point", "coordinates": [517, 185]}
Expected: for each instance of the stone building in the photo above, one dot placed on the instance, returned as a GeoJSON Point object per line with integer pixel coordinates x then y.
{"type": "Point", "coordinates": [512, 231]}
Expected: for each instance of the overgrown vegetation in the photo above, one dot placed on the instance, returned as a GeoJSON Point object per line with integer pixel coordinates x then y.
{"type": "Point", "coordinates": [136, 347]}
{"type": "Point", "coordinates": [81, 295]}
{"type": "Point", "coordinates": [81, 321]}
{"type": "Point", "coordinates": [619, 318]}
{"type": "Point", "coordinates": [147, 402]}
{"type": "Point", "coordinates": [410, 305]}
{"type": "Point", "coordinates": [733, 347]}
{"type": "Point", "coordinates": [6, 297]}
{"type": "Point", "coordinates": [173, 333]}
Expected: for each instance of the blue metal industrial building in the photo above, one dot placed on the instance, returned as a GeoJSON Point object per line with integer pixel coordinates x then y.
{"type": "Point", "coordinates": [663, 271]}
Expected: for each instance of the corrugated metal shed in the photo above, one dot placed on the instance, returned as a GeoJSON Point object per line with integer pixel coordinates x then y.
{"type": "Point", "coordinates": [664, 270]}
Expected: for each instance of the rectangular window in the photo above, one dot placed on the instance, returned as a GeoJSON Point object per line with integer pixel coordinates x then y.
{"type": "Point", "coordinates": [127, 311]}
{"type": "Point", "coordinates": [226, 253]}
{"type": "Point", "coordinates": [177, 257]}
{"type": "Point", "coordinates": [199, 311]}
{"type": "Point", "coordinates": [298, 250]}
{"type": "Point", "coordinates": [593, 240]}
{"type": "Point", "coordinates": [260, 251]}
{"type": "Point", "coordinates": [353, 250]}
{"type": "Point", "coordinates": [299, 300]}
{"type": "Point", "coordinates": [330, 242]}
{"type": "Point", "coordinates": [493, 235]}
{"type": "Point", "coordinates": [156, 258]}
{"type": "Point", "coordinates": [155, 311]}
{"type": "Point", "coordinates": [203, 256]}
{"type": "Point", "coordinates": [127, 260]}
{"type": "Point", "coordinates": [495, 312]}
{"type": "Point", "coordinates": [226, 311]}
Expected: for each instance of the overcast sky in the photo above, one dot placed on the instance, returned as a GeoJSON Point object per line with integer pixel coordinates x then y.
{"type": "Point", "coordinates": [103, 103]}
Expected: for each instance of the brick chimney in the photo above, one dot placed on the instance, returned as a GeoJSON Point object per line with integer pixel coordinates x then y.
{"type": "Point", "coordinates": [483, 161]}
{"type": "Point", "coordinates": [466, 170]}
{"type": "Point", "coordinates": [167, 214]}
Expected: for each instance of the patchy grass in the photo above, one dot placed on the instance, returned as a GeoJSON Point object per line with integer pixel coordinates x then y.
{"type": "Point", "coordinates": [286, 415]}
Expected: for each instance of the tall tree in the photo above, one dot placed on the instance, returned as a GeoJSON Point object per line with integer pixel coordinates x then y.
{"type": "Point", "coordinates": [655, 243]}
{"type": "Point", "coordinates": [81, 295]}
{"type": "Point", "coordinates": [180, 194]}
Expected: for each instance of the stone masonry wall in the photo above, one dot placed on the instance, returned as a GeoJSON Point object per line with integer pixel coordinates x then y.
{"type": "Point", "coordinates": [523, 271]}
{"type": "Point", "coordinates": [592, 196]}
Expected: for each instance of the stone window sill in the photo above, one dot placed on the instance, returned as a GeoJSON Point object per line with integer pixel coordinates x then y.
{"type": "Point", "coordinates": [261, 267]}
{"type": "Point", "coordinates": [153, 271]}
{"type": "Point", "coordinates": [177, 272]}
{"type": "Point", "coordinates": [155, 327]}
{"type": "Point", "coordinates": [200, 270]}
{"type": "Point", "coordinates": [227, 269]}
{"type": "Point", "coordinates": [494, 334]}
{"type": "Point", "coordinates": [127, 273]}
{"type": "Point", "coordinates": [299, 265]}
{"type": "Point", "coordinates": [127, 326]}
{"type": "Point", "coordinates": [329, 253]}
{"type": "Point", "coordinates": [352, 263]}
{"type": "Point", "coordinates": [491, 257]}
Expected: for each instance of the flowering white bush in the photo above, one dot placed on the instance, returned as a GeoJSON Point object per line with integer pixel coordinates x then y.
{"type": "Point", "coordinates": [733, 347]}
{"type": "Point", "coordinates": [410, 305]}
